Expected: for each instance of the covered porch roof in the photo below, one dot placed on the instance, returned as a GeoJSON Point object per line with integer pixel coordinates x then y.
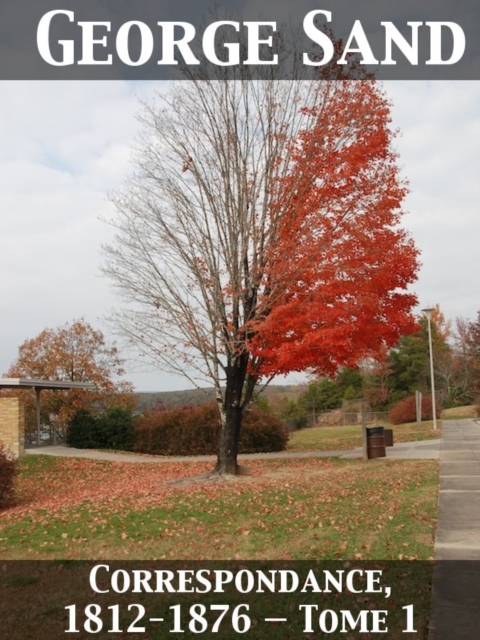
{"type": "Point", "coordinates": [39, 385]}
{"type": "Point", "coordinates": [26, 383]}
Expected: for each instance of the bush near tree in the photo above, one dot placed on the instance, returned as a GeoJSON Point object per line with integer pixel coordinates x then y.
{"type": "Point", "coordinates": [262, 433]}
{"type": "Point", "coordinates": [117, 428]}
{"type": "Point", "coordinates": [178, 431]}
{"type": "Point", "coordinates": [111, 429]}
{"type": "Point", "coordinates": [81, 430]}
{"type": "Point", "coordinates": [196, 431]}
{"type": "Point", "coordinates": [7, 476]}
{"type": "Point", "coordinates": [405, 410]}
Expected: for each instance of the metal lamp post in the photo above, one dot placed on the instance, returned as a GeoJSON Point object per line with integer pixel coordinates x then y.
{"type": "Point", "coordinates": [428, 315]}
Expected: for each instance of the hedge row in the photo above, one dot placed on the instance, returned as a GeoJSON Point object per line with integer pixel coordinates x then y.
{"type": "Point", "coordinates": [196, 431]}
{"type": "Point", "coordinates": [181, 431]}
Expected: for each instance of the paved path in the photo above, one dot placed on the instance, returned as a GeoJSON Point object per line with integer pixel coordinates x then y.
{"type": "Point", "coordinates": [420, 449]}
{"type": "Point", "coordinates": [456, 583]}
{"type": "Point", "coordinates": [427, 449]}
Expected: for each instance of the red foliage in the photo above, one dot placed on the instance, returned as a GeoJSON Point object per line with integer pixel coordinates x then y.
{"type": "Point", "coordinates": [7, 476]}
{"type": "Point", "coordinates": [340, 263]}
{"type": "Point", "coordinates": [405, 410]}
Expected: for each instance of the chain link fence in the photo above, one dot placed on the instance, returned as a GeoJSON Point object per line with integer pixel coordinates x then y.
{"type": "Point", "coordinates": [339, 418]}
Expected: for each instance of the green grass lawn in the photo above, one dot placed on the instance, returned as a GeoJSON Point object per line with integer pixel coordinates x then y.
{"type": "Point", "coordinates": [308, 509]}
{"type": "Point", "coordinates": [350, 437]}
{"type": "Point", "coordinates": [286, 509]}
{"type": "Point", "coordinates": [301, 509]}
{"type": "Point", "coordinates": [459, 413]}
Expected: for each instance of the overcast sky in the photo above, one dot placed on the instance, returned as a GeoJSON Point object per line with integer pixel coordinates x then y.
{"type": "Point", "coordinates": [64, 146]}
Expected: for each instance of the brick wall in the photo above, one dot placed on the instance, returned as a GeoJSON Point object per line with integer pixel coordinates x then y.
{"type": "Point", "coordinates": [12, 425]}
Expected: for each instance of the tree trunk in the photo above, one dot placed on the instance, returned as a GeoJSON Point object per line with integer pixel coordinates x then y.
{"type": "Point", "coordinates": [231, 412]}
{"type": "Point", "coordinates": [229, 435]}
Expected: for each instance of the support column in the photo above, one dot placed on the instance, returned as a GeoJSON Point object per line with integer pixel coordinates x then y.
{"type": "Point", "coordinates": [12, 425]}
{"type": "Point", "coordinates": [37, 413]}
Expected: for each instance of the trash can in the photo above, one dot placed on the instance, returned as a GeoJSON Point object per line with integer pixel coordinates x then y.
{"type": "Point", "coordinates": [376, 442]}
{"type": "Point", "coordinates": [388, 437]}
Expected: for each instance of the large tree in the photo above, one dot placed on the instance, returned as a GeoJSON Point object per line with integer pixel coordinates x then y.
{"type": "Point", "coordinates": [260, 235]}
{"type": "Point", "coordinates": [473, 355]}
{"type": "Point", "coordinates": [464, 365]}
{"type": "Point", "coordinates": [74, 352]}
{"type": "Point", "coordinates": [410, 363]}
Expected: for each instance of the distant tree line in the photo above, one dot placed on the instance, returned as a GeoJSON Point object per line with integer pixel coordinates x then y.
{"type": "Point", "coordinates": [397, 373]}
{"type": "Point", "coordinates": [77, 352]}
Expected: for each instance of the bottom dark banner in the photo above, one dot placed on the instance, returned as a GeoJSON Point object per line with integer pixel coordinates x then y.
{"type": "Point", "coordinates": [149, 600]}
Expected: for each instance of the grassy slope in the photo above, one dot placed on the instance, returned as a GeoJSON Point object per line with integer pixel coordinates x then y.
{"type": "Point", "coordinates": [349, 437]}
{"type": "Point", "coordinates": [459, 413]}
{"type": "Point", "coordinates": [295, 509]}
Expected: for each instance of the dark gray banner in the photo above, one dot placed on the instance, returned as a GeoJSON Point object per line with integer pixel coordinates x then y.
{"type": "Point", "coordinates": [233, 600]}
{"type": "Point", "coordinates": [165, 39]}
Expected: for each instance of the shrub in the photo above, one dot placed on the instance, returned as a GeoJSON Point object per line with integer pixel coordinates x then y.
{"type": "Point", "coordinates": [405, 410]}
{"type": "Point", "coordinates": [196, 430]}
{"type": "Point", "coordinates": [8, 469]}
{"type": "Point", "coordinates": [262, 432]}
{"type": "Point", "coordinates": [114, 428]}
{"type": "Point", "coordinates": [82, 430]}
{"type": "Point", "coordinates": [179, 431]}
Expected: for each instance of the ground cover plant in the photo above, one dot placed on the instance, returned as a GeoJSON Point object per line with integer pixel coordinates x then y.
{"type": "Point", "coordinates": [350, 436]}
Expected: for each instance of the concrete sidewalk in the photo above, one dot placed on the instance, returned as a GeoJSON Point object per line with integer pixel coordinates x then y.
{"type": "Point", "coordinates": [427, 449]}
{"type": "Point", "coordinates": [456, 583]}
{"type": "Point", "coordinates": [458, 529]}
{"type": "Point", "coordinates": [420, 449]}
